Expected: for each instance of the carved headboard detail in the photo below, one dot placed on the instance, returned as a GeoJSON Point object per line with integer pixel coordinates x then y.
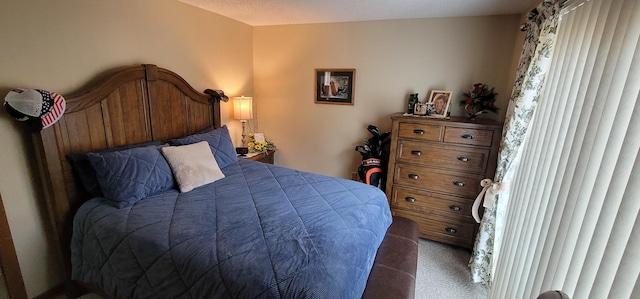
{"type": "Point", "coordinates": [130, 105]}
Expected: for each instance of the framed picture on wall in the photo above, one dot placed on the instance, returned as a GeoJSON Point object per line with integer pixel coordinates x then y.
{"type": "Point", "coordinates": [335, 86]}
{"type": "Point", "coordinates": [440, 101]}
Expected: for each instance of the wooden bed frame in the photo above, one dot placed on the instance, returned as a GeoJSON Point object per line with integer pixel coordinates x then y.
{"type": "Point", "coordinates": [129, 105]}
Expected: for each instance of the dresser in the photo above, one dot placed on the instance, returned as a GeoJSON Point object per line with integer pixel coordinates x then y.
{"type": "Point", "coordinates": [434, 174]}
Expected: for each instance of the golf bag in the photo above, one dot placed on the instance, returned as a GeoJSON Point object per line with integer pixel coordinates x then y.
{"type": "Point", "coordinates": [375, 153]}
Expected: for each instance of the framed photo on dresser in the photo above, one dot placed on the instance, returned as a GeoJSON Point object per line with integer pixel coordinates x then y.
{"type": "Point", "coordinates": [440, 101]}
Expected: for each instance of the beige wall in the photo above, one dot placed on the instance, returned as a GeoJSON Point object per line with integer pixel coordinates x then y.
{"type": "Point", "coordinates": [59, 45]}
{"type": "Point", "coordinates": [392, 59]}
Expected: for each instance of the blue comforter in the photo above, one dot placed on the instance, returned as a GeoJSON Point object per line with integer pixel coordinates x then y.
{"type": "Point", "coordinates": [262, 232]}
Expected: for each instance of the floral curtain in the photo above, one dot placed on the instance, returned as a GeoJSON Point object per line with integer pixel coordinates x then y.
{"type": "Point", "coordinates": [532, 69]}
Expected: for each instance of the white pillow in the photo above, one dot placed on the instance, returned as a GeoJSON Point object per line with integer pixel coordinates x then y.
{"type": "Point", "coordinates": [192, 165]}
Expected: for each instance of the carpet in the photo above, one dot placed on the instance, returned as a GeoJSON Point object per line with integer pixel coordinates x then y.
{"type": "Point", "coordinates": [443, 273]}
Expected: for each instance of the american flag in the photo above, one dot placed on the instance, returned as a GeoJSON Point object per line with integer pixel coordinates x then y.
{"type": "Point", "coordinates": [56, 111]}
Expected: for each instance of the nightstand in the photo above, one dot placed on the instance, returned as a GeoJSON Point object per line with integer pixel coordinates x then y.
{"type": "Point", "coordinates": [266, 157]}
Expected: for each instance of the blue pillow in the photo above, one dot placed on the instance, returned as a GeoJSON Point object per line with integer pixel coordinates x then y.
{"type": "Point", "coordinates": [129, 175]}
{"type": "Point", "coordinates": [219, 142]}
{"type": "Point", "coordinates": [84, 172]}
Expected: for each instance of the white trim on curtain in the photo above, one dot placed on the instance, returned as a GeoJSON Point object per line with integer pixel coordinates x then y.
{"type": "Point", "coordinates": [572, 222]}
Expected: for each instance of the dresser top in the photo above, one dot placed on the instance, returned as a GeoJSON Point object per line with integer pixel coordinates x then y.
{"type": "Point", "coordinates": [442, 121]}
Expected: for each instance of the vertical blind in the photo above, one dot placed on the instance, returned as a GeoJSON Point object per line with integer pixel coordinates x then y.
{"type": "Point", "coordinates": [572, 221]}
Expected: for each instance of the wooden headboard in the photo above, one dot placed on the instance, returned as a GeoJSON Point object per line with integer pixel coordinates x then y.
{"type": "Point", "coordinates": [130, 105]}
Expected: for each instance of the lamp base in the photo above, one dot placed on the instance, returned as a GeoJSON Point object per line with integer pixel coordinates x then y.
{"type": "Point", "coordinates": [244, 122]}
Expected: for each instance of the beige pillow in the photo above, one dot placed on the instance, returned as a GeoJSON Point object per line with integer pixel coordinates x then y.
{"type": "Point", "coordinates": [192, 165]}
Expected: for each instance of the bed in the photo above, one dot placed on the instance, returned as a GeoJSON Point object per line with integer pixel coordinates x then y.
{"type": "Point", "coordinates": [258, 231]}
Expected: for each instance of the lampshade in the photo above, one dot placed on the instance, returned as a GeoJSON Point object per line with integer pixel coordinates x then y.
{"type": "Point", "coordinates": [243, 108]}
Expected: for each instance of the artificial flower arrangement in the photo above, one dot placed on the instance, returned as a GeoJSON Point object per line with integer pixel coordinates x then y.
{"type": "Point", "coordinates": [479, 100]}
{"type": "Point", "coordinates": [259, 146]}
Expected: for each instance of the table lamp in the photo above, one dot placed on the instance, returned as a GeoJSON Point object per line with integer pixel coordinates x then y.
{"type": "Point", "coordinates": [243, 111]}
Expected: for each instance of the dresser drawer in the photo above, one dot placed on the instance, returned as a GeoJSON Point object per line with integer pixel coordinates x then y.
{"type": "Point", "coordinates": [441, 229]}
{"type": "Point", "coordinates": [443, 156]}
{"type": "Point", "coordinates": [432, 203]}
{"type": "Point", "coordinates": [460, 184]}
{"type": "Point", "coordinates": [420, 131]}
{"type": "Point", "coordinates": [468, 136]}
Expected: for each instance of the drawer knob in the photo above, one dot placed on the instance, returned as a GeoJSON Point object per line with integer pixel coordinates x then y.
{"type": "Point", "coordinates": [414, 176]}
{"type": "Point", "coordinates": [417, 153]}
{"type": "Point", "coordinates": [463, 159]}
{"type": "Point", "coordinates": [466, 136]}
{"type": "Point", "coordinates": [451, 230]}
{"type": "Point", "coordinates": [419, 132]}
{"type": "Point", "coordinates": [454, 208]}
{"type": "Point", "coordinates": [410, 199]}
{"type": "Point", "coordinates": [459, 183]}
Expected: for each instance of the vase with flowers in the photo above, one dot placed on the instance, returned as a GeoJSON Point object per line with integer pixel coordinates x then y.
{"type": "Point", "coordinates": [258, 146]}
{"type": "Point", "coordinates": [479, 100]}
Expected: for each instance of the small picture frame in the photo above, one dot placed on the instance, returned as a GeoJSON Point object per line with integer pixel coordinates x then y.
{"type": "Point", "coordinates": [440, 101]}
{"type": "Point", "coordinates": [420, 109]}
{"type": "Point", "coordinates": [335, 86]}
{"type": "Point", "coordinates": [259, 137]}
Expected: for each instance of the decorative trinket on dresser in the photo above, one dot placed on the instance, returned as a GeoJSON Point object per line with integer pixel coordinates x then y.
{"type": "Point", "coordinates": [413, 100]}
{"type": "Point", "coordinates": [479, 100]}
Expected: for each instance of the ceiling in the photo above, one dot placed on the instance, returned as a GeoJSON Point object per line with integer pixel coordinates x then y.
{"type": "Point", "coordinates": [286, 12]}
